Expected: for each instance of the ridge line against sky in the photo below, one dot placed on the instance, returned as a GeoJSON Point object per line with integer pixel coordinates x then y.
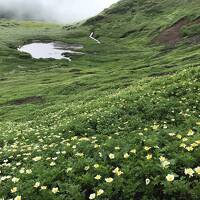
{"type": "Point", "coordinates": [61, 11]}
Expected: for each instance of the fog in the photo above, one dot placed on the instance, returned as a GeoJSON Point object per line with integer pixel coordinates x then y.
{"type": "Point", "coordinates": [61, 11]}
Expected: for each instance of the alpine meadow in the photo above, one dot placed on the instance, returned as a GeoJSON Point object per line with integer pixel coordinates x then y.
{"type": "Point", "coordinates": [118, 120]}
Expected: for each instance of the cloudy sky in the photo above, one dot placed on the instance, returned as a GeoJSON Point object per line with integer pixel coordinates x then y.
{"type": "Point", "coordinates": [63, 11]}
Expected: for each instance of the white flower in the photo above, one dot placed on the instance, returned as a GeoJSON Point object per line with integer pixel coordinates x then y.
{"type": "Point", "coordinates": [109, 180]}
{"type": "Point", "coordinates": [190, 132]}
{"type": "Point", "coordinates": [97, 177]}
{"type": "Point", "coordinates": [165, 164]}
{"type": "Point", "coordinates": [197, 170]}
{"type": "Point", "coordinates": [133, 151]}
{"type": "Point", "coordinates": [162, 158]}
{"type": "Point", "coordinates": [55, 190]}
{"type": "Point", "coordinates": [37, 184]}
{"type": "Point", "coordinates": [21, 171]}
{"type": "Point", "coordinates": [126, 155]}
{"type": "Point", "coordinates": [15, 180]}
{"type": "Point", "coordinates": [28, 171]}
{"type": "Point", "coordinates": [52, 164]}
{"type": "Point", "coordinates": [92, 196]}
{"type": "Point", "coordinates": [100, 192]}
{"type": "Point", "coordinates": [117, 171]}
{"type": "Point", "coordinates": [149, 156]}
{"type": "Point", "coordinates": [37, 158]}
{"type": "Point", "coordinates": [18, 164]}
{"type": "Point", "coordinates": [87, 168]}
{"type": "Point", "coordinates": [172, 134]}
{"type": "Point", "coordinates": [18, 198]}
{"type": "Point", "coordinates": [96, 166]}
{"type": "Point", "coordinates": [147, 181]}
{"type": "Point", "coordinates": [13, 190]}
{"type": "Point", "coordinates": [43, 187]}
{"type": "Point", "coordinates": [111, 156]}
{"type": "Point", "coordinates": [146, 148]}
{"type": "Point", "coordinates": [189, 171]}
{"type": "Point", "coordinates": [69, 169]}
{"type": "Point", "coordinates": [170, 177]}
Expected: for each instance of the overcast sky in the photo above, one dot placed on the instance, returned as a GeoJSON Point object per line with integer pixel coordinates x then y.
{"type": "Point", "coordinates": [64, 11]}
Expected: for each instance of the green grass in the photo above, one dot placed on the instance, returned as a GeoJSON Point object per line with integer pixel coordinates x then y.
{"type": "Point", "coordinates": [128, 96]}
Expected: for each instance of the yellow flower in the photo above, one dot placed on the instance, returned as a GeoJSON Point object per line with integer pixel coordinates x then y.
{"type": "Point", "coordinates": [146, 148]}
{"type": "Point", "coordinates": [97, 177]}
{"type": "Point", "coordinates": [133, 151]}
{"type": "Point", "coordinates": [13, 190]}
{"type": "Point", "coordinates": [189, 148]}
{"type": "Point", "coordinates": [165, 164]}
{"type": "Point", "coordinates": [189, 171]}
{"type": "Point", "coordinates": [117, 148]}
{"type": "Point", "coordinates": [179, 136]}
{"type": "Point", "coordinates": [170, 177]}
{"type": "Point", "coordinates": [190, 132]}
{"type": "Point", "coordinates": [162, 158]}
{"type": "Point", "coordinates": [183, 145]}
{"type": "Point", "coordinates": [117, 171]}
{"type": "Point", "coordinates": [149, 156]}
{"type": "Point", "coordinates": [194, 145]}
{"type": "Point", "coordinates": [18, 198]}
{"type": "Point", "coordinates": [109, 180]}
{"type": "Point", "coordinates": [100, 192]}
{"type": "Point", "coordinates": [92, 196]}
{"type": "Point", "coordinates": [185, 139]}
{"type": "Point", "coordinates": [111, 156]}
{"type": "Point", "coordinates": [197, 170]}
{"type": "Point", "coordinates": [96, 166]}
{"type": "Point", "coordinates": [37, 184]}
{"type": "Point", "coordinates": [197, 141]}
{"type": "Point", "coordinates": [198, 123]}
{"type": "Point", "coordinates": [126, 155]}
{"type": "Point", "coordinates": [55, 190]}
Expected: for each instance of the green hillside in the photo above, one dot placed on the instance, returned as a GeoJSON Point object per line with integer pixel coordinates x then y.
{"type": "Point", "coordinates": [121, 122]}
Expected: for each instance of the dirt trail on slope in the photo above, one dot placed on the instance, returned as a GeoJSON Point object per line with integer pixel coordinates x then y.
{"type": "Point", "coordinates": [172, 35]}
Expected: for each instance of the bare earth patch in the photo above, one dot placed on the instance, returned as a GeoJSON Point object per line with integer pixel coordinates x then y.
{"type": "Point", "coordinates": [172, 35]}
{"type": "Point", "coordinates": [27, 100]}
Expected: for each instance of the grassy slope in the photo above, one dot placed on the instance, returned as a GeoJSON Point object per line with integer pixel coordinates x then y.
{"type": "Point", "coordinates": [115, 95]}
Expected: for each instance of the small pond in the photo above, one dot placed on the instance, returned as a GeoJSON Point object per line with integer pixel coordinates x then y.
{"type": "Point", "coordinates": [56, 50]}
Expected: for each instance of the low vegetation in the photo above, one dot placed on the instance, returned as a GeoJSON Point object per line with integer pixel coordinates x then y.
{"type": "Point", "coordinates": [120, 122]}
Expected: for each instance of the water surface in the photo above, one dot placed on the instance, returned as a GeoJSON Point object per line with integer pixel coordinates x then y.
{"type": "Point", "coordinates": [54, 50]}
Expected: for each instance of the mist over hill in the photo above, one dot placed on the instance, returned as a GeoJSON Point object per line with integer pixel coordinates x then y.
{"type": "Point", "coordinates": [61, 11]}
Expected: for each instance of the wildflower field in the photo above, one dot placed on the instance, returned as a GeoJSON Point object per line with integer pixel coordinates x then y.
{"type": "Point", "coordinates": [121, 122]}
